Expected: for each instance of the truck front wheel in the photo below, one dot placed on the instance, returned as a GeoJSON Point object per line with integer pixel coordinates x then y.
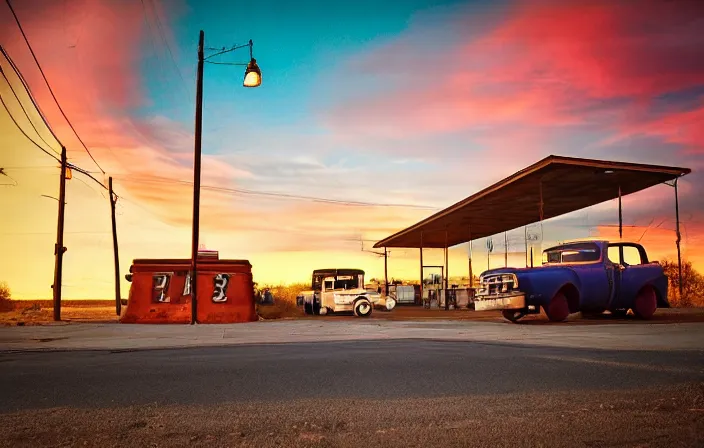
{"type": "Point", "coordinates": [362, 307]}
{"type": "Point", "coordinates": [558, 309]}
{"type": "Point", "coordinates": [513, 315]}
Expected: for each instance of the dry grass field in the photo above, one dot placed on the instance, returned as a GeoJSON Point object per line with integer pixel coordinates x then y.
{"type": "Point", "coordinates": [40, 312]}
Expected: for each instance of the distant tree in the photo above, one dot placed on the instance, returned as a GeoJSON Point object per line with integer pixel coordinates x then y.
{"type": "Point", "coordinates": [692, 284]}
{"type": "Point", "coordinates": [5, 296]}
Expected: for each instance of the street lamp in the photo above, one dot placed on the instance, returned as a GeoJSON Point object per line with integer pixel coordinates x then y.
{"type": "Point", "coordinates": [252, 78]}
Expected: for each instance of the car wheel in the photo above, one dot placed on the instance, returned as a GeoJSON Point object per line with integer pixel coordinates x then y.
{"type": "Point", "coordinates": [362, 308]}
{"type": "Point", "coordinates": [646, 303]}
{"type": "Point", "coordinates": [307, 308]}
{"type": "Point", "coordinates": [558, 309]}
{"type": "Point", "coordinates": [513, 315]}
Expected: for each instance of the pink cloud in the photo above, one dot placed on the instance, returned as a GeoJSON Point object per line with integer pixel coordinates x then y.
{"type": "Point", "coordinates": [544, 65]}
{"type": "Point", "coordinates": [608, 49]}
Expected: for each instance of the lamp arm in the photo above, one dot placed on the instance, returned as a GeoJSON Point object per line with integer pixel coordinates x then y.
{"type": "Point", "coordinates": [236, 47]}
{"type": "Point", "coordinates": [228, 63]}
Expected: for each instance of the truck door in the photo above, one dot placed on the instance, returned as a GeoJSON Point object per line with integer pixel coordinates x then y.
{"type": "Point", "coordinates": [327, 293]}
{"type": "Point", "coordinates": [633, 271]}
{"type": "Point", "coordinates": [616, 268]}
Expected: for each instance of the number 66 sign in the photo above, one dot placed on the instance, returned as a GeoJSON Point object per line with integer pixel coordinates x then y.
{"type": "Point", "coordinates": [221, 282]}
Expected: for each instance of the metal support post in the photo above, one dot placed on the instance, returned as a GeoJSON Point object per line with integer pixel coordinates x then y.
{"type": "Point", "coordinates": [447, 266]}
{"type": "Point", "coordinates": [471, 274]}
{"type": "Point", "coordinates": [679, 238]}
{"type": "Point", "coordinates": [525, 237]}
{"type": "Point", "coordinates": [620, 215]}
{"type": "Point", "coordinates": [386, 273]}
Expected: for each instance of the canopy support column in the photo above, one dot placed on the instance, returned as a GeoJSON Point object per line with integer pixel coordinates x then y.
{"type": "Point", "coordinates": [471, 274]}
{"type": "Point", "coordinates": [447, 267]}
{"type": "Point", "coordinates": [679, 237]}
{"type": "Point", "coordinates": [620, 215]}
{"type": "Point", "coordinates": [421, 267]}
{"type": "Point", "coordinates": [386, 273]}
{"type": "Point", "coordinates": [620, 225]}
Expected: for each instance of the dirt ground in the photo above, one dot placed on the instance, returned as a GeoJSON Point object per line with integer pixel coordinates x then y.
{"type": "Point", "coordinates": [659, 417]}
{"type": "Point", "coordinates": [40, 312]}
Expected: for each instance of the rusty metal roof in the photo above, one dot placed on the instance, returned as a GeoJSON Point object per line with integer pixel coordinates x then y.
{"type": "Point", "coordinates": [566, 184]}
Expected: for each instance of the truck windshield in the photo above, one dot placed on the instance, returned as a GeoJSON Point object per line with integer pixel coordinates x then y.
{"type": "Point", "coordinates": [346, 282]}
{"type": "Point", "coordinates": [572, 253]}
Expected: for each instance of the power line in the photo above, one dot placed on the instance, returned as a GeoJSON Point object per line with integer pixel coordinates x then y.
{"type": "Point", "coordinates": [157, 179]}
{"type": "Point", "coordinates": [155, 41]}
{"type": "Point", "coordinates": [3, 173]}
{"type": "Point", "coordinates": [19, 25]}
{"type": "Point", "coordinates": [86, 184]}
{"type": "Point", "coordinates": [86, 173]}
{"type": "Point", "coordinates": [24, 133]}
{"type": "Point", "coordinates": [168, 47]}
{"type": "Point", "coordinates": [31, 123]}
{"type": "Point", "coordinates": [69, 165]}
{"type": "Point", "coordinates": [28, 90]}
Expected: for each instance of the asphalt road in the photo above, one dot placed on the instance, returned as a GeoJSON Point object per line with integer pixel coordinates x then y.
{"type": "Point", "coordinates": [388, 393]}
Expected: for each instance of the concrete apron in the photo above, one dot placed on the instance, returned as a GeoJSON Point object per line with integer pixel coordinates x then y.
{"type": "Point", "coordinates": [88, 336]}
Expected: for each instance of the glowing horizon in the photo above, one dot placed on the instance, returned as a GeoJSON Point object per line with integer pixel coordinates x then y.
{"type": "Point", "coordinates": [347, 111]}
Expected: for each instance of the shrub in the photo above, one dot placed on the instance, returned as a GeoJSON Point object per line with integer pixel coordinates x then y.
{"type": "Point", "coordinates": [5, 296]}
{"type": "Point", "coordinates": [284, 301]}
{"type": "Point", "coordinates": [692, 284]}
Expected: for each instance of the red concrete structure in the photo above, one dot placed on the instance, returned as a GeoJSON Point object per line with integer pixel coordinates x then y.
{"type": "Point", "coordinates": [160, 292]}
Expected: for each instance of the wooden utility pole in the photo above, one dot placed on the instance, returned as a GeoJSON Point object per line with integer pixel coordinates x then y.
{"type": "Point", "coordinates": [59, 248]}
{"type": "Point", "coordinates": [196, 178]}
{"type": "Point", "coordinates": [505, 249]}
{"type": "Point", "coordinates": [118, 296]}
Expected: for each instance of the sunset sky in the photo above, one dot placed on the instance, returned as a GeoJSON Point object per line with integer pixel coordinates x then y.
{"type": "Point", "coordinates": [414, 103]}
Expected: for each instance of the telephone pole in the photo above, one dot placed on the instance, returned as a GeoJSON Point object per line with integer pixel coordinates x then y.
{"type": "Point", "coordinates": [118, 297]}
{"type": "Point", "coordinates": [59, 248]}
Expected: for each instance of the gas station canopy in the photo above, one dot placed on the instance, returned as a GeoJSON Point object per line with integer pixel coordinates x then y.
{"type": "Point", "coordinates": [561, 184]}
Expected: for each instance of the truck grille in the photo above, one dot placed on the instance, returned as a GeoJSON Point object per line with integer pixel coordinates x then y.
{"type": "Point", "coordinates": [497, 284]}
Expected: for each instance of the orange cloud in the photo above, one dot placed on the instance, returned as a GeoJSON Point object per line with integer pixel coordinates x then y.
{"type": "Point", "coordinates": [660, 243]}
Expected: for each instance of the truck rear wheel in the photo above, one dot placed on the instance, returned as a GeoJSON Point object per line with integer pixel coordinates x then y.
{"type": "Point", "coordinates": [307, 308]}
{"type": "Point", "coordinates": [558, 309]}
{"type": "Point", "coordinates": [646, 303]}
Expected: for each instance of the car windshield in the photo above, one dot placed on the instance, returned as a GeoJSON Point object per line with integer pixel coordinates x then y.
{"type": "Point", "coordinates": [572, 253]}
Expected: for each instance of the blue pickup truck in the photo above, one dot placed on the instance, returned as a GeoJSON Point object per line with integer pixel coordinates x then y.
{"type": "Point", "coordinates": [584, 276]}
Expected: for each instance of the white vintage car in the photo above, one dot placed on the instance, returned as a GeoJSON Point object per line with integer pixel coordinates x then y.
{"type": "Point", "coordinates": [341, 290]}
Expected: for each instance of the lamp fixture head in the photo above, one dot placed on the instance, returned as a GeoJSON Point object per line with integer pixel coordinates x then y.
{"type": "Point", "coordinates": [252, 75]}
